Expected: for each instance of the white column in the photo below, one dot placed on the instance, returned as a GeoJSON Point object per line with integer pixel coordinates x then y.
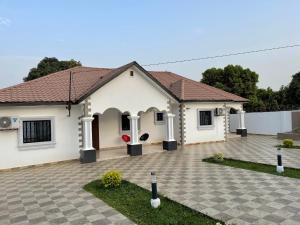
{"type": "Point", "coordinates": [87, 133]}
{"type": "Point", "coordinates": [170, 127]}
{"type": "Point", "coordinates": [134, 133]}
{"type": "Point", "coordinates": [242, 119]}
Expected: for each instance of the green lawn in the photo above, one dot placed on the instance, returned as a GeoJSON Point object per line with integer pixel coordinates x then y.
{"type": "Point", "coordinates": [134, 202]}
{"type": "Point", "coordinates": [293, 147]}
{"type": "Point", "coordinates": [258, 167]}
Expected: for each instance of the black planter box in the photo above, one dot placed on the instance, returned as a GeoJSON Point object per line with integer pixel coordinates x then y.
{"type": "Point", "coordinates": [134, 150]}
{"type": "Point", "coordinates": [169, 145]}
{"type": "Point", "coordinates": [242, 132]}
{"type": "Point", "coordinates": [87, 156]}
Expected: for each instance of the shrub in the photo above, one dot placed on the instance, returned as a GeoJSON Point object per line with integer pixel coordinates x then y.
{"type": "Point", "coordinates": [111, 179]}
{"type": "Point", "coordinates": [218, 157]}
{"type": "Point", "coordinates": [288, 143]}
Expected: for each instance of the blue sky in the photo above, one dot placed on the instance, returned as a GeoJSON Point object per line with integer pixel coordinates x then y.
{"type": "Point", "coordinates": [113, 33]}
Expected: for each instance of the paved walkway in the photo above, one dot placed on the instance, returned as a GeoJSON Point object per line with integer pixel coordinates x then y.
{"type": "Point", "coordinates": [54, 195]}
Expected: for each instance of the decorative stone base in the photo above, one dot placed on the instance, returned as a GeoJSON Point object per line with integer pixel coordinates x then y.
{"type": "Point", "coordinates": [134, 150]}
{"type": "Point", "coordinates": [170, 145]}
{"type": "Point", "coordinates": [242, 132]}
{"type": "Point", "coordinates": [279, 169]}
{"type": "Point", "coordinates": [87, 156]}
{"type": "Point", "coordinates": [155, 203]}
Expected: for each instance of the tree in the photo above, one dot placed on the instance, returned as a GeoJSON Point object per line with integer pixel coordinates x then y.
{"type": "Point", "coordinates": [234, 79]}
{"type": "Point", "coordinates": [243, 82]}
{"type": "Point", "coordinates": [293, 91]}
{"type": "Point", "coordinates": [50, 65]}
{"type": "Point", "coordinates": [281, 97]}
{"type": "Point", "coordinates": [268, 97]}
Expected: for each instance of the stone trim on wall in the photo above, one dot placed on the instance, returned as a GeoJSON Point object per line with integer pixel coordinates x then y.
{"type": "Point", "coordinates": [226, 122]}
{"type": "Point", "coordinates": [182, 124]}
{"type": "Point", "coordinates": [88, 107]}
{"type": "Point", "coordinates": [86, 112]}
{"type": "Point", "coordinates": [169, 107]}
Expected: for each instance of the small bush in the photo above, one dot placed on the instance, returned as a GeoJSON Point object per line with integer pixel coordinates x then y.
{"type": "Point", "coordinates": [288, 143]}
{"type": "Point", "coordinates": [112, 179]}
{"type": "Point", "coordinates": [218, 157]}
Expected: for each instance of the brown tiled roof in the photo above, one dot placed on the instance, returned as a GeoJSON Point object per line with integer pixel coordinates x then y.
{"type": "Point", "coordinates": [54, 88]}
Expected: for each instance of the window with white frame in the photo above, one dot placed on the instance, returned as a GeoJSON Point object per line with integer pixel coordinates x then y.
{"type": "Point", "coordinates": [159, 117]}
{"type": "Point", "coordinates": [205, 118]}
{"type": "Point", "coordinates": [35, 131]}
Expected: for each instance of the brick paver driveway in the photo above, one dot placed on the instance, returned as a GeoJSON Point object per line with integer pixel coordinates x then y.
{"type": "Point", "coordinates": [54, 195]}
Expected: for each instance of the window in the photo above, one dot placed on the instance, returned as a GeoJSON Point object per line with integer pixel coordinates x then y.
{"type": "Point", "coordinates": [125, 123]}
{"type": "Point", "coordinates": [205, 118]}
{"type": "Point", "coordinates": [37, 131]}
{"type": "Point", "coordinates": [159, 118]}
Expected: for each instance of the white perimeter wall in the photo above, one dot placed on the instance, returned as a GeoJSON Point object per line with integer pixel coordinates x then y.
{"type": "Point", "coordinates": [196, 135]}
{"type": "Point", "coordinates": [110, 132]}
{"type": "Point", "coordinates": [66, 135]}
{"type": "Point", "coordinates": [269, 123]}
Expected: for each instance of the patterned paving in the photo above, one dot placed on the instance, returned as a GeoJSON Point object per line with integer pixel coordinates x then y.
{"type": "Point", "coordinates": [54, 195]}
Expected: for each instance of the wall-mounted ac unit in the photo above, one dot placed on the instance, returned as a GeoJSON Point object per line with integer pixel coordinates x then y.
{"type": "Point", "coordinates": [219, 112]}
{"type": "Point", "coordinates": [9, 122]}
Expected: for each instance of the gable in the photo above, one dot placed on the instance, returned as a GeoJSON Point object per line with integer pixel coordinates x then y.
{"type": "Point", "coordinates": [131, 91]}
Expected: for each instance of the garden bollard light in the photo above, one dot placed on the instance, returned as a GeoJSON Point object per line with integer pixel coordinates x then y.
{"type": "Point", "coordinates": [279, 167]}
{"type": "Point", "coordinates": [155, 201]}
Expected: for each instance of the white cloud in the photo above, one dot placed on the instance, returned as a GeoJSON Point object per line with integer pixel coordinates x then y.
{"type": "Point", "coordinates": [5, 21]}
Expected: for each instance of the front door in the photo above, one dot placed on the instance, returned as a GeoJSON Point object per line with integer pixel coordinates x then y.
{"type": "Point", "coordinates": [95, 132]}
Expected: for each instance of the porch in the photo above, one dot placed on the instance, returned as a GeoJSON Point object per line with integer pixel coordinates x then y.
{"type": "Point", "coordinates": [117, 134]}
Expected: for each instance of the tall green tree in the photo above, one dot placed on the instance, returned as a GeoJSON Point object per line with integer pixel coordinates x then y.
{"type": "Point", "coordinates": [50, 65]}
{"type": "Point", "coordinates": [293, 91]}
{"type": "Point", "coordinates": [281, 97]}
{"type": "Point", "coordinates": [233, 78]}
{"type": "Point", "coordinates": [268, 97]}
{"type": "Point", "coordinates": [237, 80]}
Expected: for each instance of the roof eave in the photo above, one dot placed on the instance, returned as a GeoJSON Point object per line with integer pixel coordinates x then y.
{"type": "Point", "coordinates": [213, 100]}
{"type": "Point", "coordinates": [34, 103]}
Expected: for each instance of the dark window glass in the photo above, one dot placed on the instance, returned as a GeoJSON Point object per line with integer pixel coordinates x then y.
{"type": "Point", "coordinates": [125, 122]}
{"type": "Point", "coordinates": [205, 118]}
{"type": "Point", "coordinates": [159, 116]}
{"type": "Point", "coordinates": [36, 131]}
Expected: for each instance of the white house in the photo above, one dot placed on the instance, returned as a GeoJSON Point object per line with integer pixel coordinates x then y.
{"type": "Point", "coordinates": [76, 112]}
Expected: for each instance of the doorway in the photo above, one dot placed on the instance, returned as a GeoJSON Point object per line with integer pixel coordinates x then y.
{"type": "Point", "coordinates": [95, 132]}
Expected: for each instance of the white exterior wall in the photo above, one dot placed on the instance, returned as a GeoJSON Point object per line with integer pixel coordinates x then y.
{"type": "Point", "coordinates": [66, 145]}
{"type": "Point", "coordinates": [175, 111]}
{"type": "Point", "coordinates": [156, 132]}
{"type": "Point", "coordinates": [110, 129]}
{"type": "Point", "coordinates": [194, 134]}
{"type": "Point", "coordinates": [269, 123]}
{"type": "Point", "coordinates": [131, 94]}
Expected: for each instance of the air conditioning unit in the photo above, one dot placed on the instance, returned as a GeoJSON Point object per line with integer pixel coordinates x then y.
{"type": "Point", "coordinates": [219, 112]}
{"type": "Point", "coordinates": [9, 123]}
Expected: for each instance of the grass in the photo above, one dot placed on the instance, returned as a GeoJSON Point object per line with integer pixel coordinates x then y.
{"type": "Point", "coordinates": [293, 147]}
{"type": "Point", "coordinates": [258, 167]}
{"type": "Point", "coordinates": [134, 202]}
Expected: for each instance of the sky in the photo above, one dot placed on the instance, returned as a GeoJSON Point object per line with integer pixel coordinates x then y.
{"type": "Point", "coordinates": [113, 33]}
